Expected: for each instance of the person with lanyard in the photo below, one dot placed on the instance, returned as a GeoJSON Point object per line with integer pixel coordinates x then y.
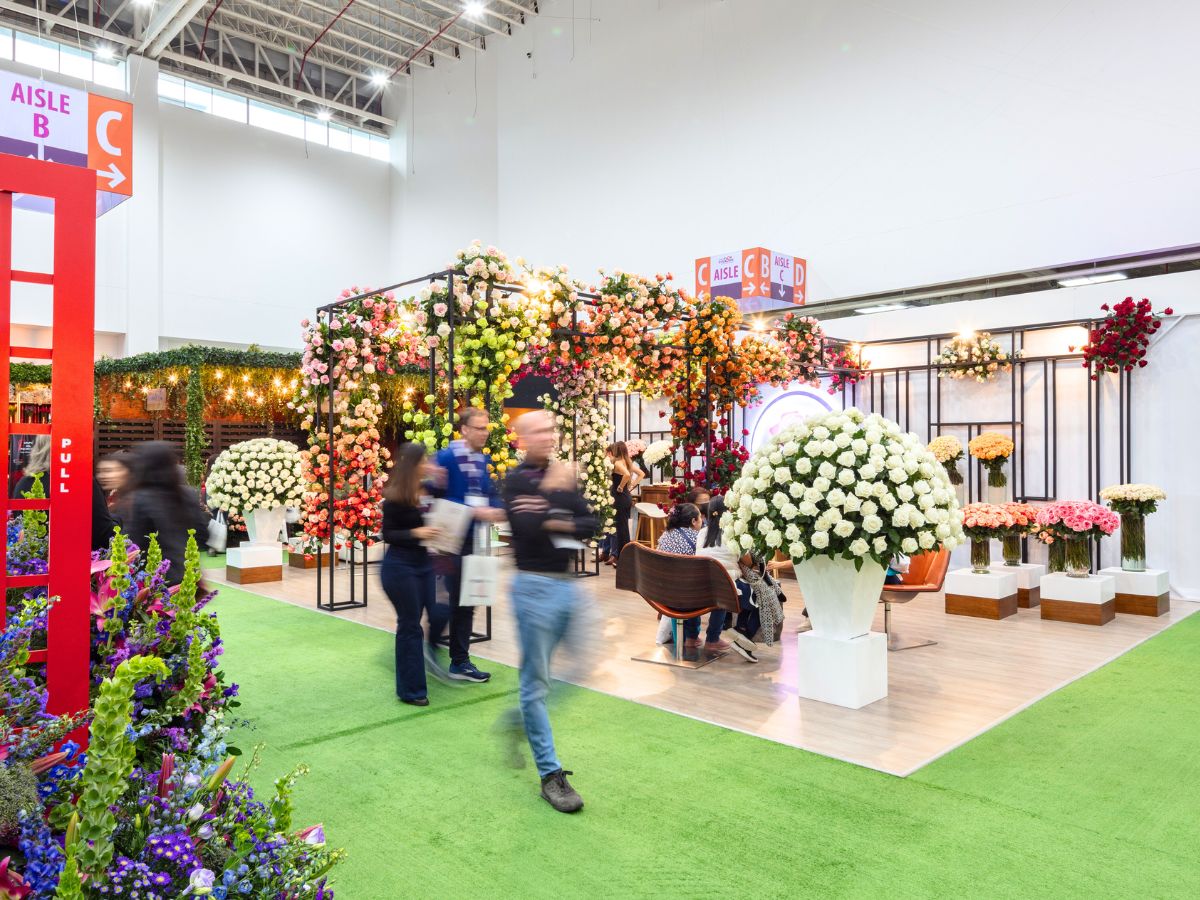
{"type": "Point", "coordinates": [467, 480]}
{"type": "Point", "coordinates": [549, 519]}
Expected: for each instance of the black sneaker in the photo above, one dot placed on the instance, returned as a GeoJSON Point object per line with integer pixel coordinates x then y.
{"type": "Point", "coordinates": [416, 701]}
{"type": "Point", "coordinates": [558, 792]}
{"type": "Point", "coordinates": [467, 672]}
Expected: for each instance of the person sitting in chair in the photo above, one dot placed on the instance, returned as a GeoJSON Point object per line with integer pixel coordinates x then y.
{"type": "Point", "coordinates": [683, 528]}
{"type": "Point", "coordinates": [710, 543]}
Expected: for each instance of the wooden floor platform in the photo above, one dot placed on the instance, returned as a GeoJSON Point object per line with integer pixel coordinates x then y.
{"type": "Point", "coordinates": [979, 673]}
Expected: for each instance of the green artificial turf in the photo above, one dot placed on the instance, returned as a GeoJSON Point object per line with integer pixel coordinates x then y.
{"type": "Point", "coordinates": [1092, 792]}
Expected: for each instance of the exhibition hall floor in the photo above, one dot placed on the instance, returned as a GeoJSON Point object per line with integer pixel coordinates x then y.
{"type": "Point", "coordinates": [978, 674]}
{"type": "Point", "coordinates": [1090, 793]}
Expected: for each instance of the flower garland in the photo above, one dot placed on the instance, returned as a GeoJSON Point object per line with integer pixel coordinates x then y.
{"type": "Point", "coordinates": [631, 307]}
{"type": "Point", "coordinates": [1119, 343]}
{"type": "Point", "coordinates": [973, 355]}
{"type": "Point", "coordinates": [846, 367]}
{"type": "Point", "coordinates": [804, 342]}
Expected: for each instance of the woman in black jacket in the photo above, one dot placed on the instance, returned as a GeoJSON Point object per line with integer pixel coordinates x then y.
{"type": "Point", "coordinates": [161, 503]}
{"type": "Point", "coordinates": [407, 571]}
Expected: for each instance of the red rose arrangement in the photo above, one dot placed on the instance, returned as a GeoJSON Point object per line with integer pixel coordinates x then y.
{"type": "Point", "coordinates": [1119, 343]}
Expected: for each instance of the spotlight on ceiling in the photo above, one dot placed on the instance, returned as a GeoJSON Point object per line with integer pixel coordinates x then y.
{"type": "Point", "coordinates": [882, 307]}
{"type": "Point", "coordinates": [379, 79]}
{"type": "Point", "coordinates": [474, 9]}
{"type": "Point", "coordinates": [1077, 280]}
{"type": "Point", "coordinates": [324, 115]}
{"type": "Point", "coordinates": [105, 52]}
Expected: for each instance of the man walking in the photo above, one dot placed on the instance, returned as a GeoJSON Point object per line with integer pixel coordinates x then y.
{"type": "Point", "coordinates": [467, 481]}
{"type": "Point", "coordinates": [548, 517]}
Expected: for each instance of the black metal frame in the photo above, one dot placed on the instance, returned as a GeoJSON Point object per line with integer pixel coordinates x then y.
{"type": "Point", "coordinates": [325, 314]}
{"type": "Point", "coordinates": [874, 398]}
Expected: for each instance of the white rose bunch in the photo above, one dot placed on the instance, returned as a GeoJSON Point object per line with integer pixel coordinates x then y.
{"type": "Point", "coordinates": [258, 474]}
{"type": "Point", "coordinates": [865, 489]}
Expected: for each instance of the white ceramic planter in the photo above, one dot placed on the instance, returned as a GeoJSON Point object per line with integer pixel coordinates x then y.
{"type": "Point", "coordinates": [840, 600]}
{"type": "Point", "coordinates": [264, 525]}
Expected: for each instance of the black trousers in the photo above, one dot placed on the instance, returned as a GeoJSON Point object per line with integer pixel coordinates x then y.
{"type": "Point", "coordinates": [462, 618]}
{"type": "Point", "coordinates": [408, 582]}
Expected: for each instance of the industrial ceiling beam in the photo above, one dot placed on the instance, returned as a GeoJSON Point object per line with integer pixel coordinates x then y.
{"type": "Point", "coordinates": [166, 24]}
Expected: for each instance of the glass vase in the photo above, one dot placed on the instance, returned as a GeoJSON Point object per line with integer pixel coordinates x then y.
{"type": "Point", "coordinates": [952, 470]}
{"type": "Point", "coordinates": [1133, 542]}
{"type": "Point", "coordinates": [1010, 546]}
{"type": "Point", "coordinates": [1078, 557]}
{"type": "Point", "coordinates": [981, 555]}
{"type": "Point", "coordinates": [1057, 556]}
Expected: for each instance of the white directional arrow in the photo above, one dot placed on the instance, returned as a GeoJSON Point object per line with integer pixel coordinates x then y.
{"type": "Point", "coordinates": [114, 175]}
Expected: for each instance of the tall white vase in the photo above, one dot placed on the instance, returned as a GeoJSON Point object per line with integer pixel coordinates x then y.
{"type": "Point", "coordinates": [841, 600]}
{"type": "Point", "coordinates": [264, 525]}
{"type": "Point", "coordinates": [841, 661]}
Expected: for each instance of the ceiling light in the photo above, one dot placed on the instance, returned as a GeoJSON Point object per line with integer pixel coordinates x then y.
{"type": "Point", "coordinates": [143, 3]}
{"type": "Point", "coordinates": [474, 9]}
{"type": "Point", "coordinates": [1077, 280]}
{"type": "Point", "coordinates": [324, 115]}
{"type": "Point", "coordinates": [379, 79]}
{"type": "Point", "coordinates": [883, 307]}
{"type": "Point", "coordinates": [105, 52]}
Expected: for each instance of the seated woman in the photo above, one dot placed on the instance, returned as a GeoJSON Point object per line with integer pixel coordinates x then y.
{"type": "Point", "coordinates": [711, 543]}
{"type": "Point", "coordinates": [683, 527]}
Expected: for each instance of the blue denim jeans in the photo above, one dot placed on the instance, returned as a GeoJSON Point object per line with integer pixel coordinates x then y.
{"type": "Point", "coordinates": [547, 610]}
{"type": "Point", "coordinates": [716, 624]}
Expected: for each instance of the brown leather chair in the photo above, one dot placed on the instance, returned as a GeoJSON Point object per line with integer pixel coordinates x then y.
{"type": "Point", "coordinates": [680, 587]}
{"type": "Point", "coordinates": [926, 574]}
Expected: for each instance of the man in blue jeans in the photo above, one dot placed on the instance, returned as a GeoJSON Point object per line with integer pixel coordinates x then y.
{"type": "Point", "coordinates": [548, 517]}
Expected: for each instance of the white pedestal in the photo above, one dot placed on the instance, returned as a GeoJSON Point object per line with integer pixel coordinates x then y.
{"type": "Point", "coordinates": [1029, 577]}
{"type": "Point", "coordinates": [850, 673]}
{"type": "Point", "coordinates": [252, 563]}
{"type": "Point", "coordinates": [1141, 593]}
{"type": "Point", "coordinates": [250, 555]}
{"type": "Point", "coordinates": [1085, 601]}
{"type": "Point", "coordinates": [986, 596]}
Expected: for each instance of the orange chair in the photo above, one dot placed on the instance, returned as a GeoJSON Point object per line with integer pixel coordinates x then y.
{"type": "Point", "coordinates": [926, 574]}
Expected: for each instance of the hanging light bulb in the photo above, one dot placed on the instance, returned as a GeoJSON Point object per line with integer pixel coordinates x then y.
{"type": "Point", "coordinates": [219, 374]}
{"type": "Point", "coordinates": [229, 394]}
{"type": "Point", "coordinates": [173, 378]}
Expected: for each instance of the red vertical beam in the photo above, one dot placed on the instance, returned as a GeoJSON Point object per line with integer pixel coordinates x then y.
{"type": "Point", "coordinates": [71, 386]}
{"type": "Point", "coordinates": [6, 207]}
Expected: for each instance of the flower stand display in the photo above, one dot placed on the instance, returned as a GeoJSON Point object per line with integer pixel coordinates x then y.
{"type": "Point", "coordinates": [841, 494]}
{"type": "Point", "coordinates": [984, 595]}
{"type": "Point", "coordinates": [261, 558]}
{"type": "Point", "coordinates": [258, 479]}
{"type": "Point", "coordinates": [300, 558]}
{"type": "Point", "coordinates": [993, 449]}
{"type": "Point", "coordinates": [1145, 593]}
{"type": "Point", "coordinates": [1090, 600]}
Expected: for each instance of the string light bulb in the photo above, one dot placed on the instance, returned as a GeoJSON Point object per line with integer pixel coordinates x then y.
{"type": "Point", "coordinates": [173, 378]}
{"type": "Point", "coordinates": [218, 374]}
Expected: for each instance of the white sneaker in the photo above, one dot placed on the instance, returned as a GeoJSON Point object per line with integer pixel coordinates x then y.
{"type": "Point", "coordinates": [664, 630]}
{"type": "Point", "coordinates": [743, 646]}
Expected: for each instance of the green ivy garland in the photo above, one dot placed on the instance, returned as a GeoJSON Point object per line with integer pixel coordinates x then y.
{"type": "Point", "coordinates": [195, 442]}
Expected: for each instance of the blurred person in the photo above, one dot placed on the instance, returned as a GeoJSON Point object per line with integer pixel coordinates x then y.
{"type": "Point", "coordinates": [37, 464]}
{"type": "Point", "coordinates": [710, 542]}
{"type": "Point", "coordinates": [407, 570]}
{"type": "Point", "coordinates": [549, 517]}
{"type": "Point", "coordinates": [467, 479]}
{"type": "Point", "coordinates": [699, 497]}
{"type": "Point", "coordinates": [625, 478]}
{"type": "Point", "coordinates": [683, 529]}
{"type": "Point", "coordinates": [113, 473]}
{"type": "Point", "coordinates": [161, 502]}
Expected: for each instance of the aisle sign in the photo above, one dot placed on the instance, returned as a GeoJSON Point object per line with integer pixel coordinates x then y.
{"type": "Point", "coordinates": [51, 122]}
{"type": "Point", "coordinates": [758, 278]}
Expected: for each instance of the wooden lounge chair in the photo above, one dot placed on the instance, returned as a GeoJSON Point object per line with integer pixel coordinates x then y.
{"type": "Point", "coordinates": [926, 573]}
{"type": "Point", "coordinates": [681, 587]}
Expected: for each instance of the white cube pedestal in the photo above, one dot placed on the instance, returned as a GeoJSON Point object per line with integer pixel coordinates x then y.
{"type": "Point", "coordinates": [1085, 601]}
{"type": "Point", "coordinates": [1029, 577]}
{"type": "Point", "coordinates": [1141, 593]}
{"type": "Point", "coordinates": [252, 563]}
{"type": "Point", "coordinates": [989, 596]}
{"type": "Point", "coordinates": [849, 673]}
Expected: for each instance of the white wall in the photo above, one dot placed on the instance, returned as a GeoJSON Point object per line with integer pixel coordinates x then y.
{"type": "Point", "coordinates": [890, 144]}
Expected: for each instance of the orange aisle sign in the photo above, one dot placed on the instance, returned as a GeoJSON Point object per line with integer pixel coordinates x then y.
{"type": "Point", "coordinates": [758, 278]}
{"type": "Point", "coordinates": [110, 143]}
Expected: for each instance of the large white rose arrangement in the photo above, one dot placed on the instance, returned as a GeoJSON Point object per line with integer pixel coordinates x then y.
{"type": "Point", "coordinates": [259, 474]}
{"type": "Point", "coordinates": [843, 485]}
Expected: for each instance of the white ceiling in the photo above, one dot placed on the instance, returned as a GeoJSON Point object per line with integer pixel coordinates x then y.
{"type": "Point", "coordinates": [310, 54]}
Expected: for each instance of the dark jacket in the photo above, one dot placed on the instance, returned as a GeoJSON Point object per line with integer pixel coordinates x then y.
{"type": "Point", "coordinates": [154, 510]}
{"type": "Point", "coordinates": [533, 548]}
{"type": "Point", "coordinates": [102, 521]}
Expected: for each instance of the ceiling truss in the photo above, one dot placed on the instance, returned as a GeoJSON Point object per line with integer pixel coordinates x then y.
{"type": "Point", "coordinates": [310, 55]}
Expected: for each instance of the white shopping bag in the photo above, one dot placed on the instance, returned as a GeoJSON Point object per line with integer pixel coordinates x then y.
{"type": "Point", "coordinates": [480, 580]}
{"type": "Point", "coordinates": [218, 532]}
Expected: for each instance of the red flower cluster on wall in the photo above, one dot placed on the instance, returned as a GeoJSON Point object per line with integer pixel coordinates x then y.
{"type": "Point", "coordinates": [847, 368]}
{"type": "Point", "coordinates": [1120, 342]}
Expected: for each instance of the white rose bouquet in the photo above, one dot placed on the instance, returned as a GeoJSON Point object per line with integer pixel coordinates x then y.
{"type": "Point", "coordinates": [843, 485]}
{"type": "Point", "coordinates": [657, 452]}
{"type": "Point", "coordinates": [259, 474]}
